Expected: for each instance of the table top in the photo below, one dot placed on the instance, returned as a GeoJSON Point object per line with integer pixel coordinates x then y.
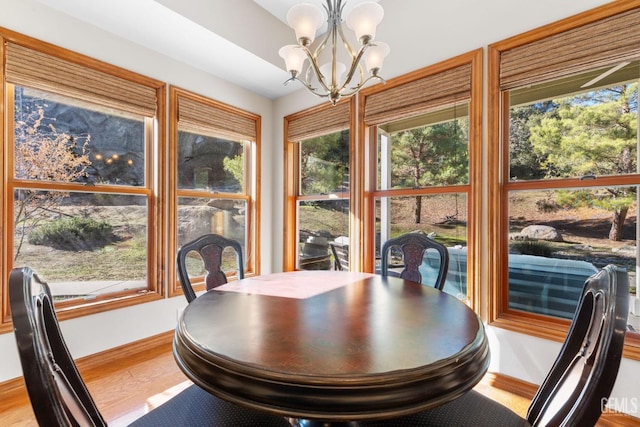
{"type": "Point", "coordinates": [331, 345]}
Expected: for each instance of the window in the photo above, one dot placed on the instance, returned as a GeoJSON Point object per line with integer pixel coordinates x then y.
{"type": "Point", "coordinates": [561, 148]}
{"type": "Point", "coordinates": [569, 186]}
{"type": "Point", "coordinates": [423, 184]}
{"type": "Point", "coordinates": [318, 182]}
{"type": "Point", "coordinates": [323, 205]}
{"type": "Point", "coordinates": [425, 144]}
{"type": "Point", "coordinates": [80, 205]}
{"type": "Point", "coordinates": [215, 157]}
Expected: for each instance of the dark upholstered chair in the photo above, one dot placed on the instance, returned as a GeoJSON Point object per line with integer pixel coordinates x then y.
{"type": "Point", "coordinates": [579, 381]}
{"type": "Point", "coordinates": [413, 247]}
{"type": "Point", "coordinates": [57, 392]}
{"type": "Point", "coordinates": [210, 248]}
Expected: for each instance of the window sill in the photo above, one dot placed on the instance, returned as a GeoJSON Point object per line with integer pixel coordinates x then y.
{"type": "Point", "coordinates": [554, 329]}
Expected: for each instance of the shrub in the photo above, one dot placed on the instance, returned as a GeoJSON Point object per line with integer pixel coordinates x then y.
{"type": "Point", "coordinates": [547, 206]}
{"type": "Point", "coordinates": [73, 234]}
{"type": "Point", "coordinates": [532, 247]}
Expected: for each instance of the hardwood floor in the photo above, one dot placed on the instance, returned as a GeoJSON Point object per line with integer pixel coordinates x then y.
{"type": "Point", "coordinates": [123, 391]}
{"type": "Point", "coordinates": [120, 392]}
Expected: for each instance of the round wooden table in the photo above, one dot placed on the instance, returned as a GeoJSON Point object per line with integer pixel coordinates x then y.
{"type": "Point", "coordinates": [327, 347]}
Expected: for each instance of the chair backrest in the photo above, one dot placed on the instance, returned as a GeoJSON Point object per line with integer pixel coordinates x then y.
{"type": "Point", "coordinates": [340, 256]}
{"type": "Point", "coordinates": [57, 392]}
{"type": "Point", "coordinates": [586, 368]}
{"type": "Point", "coordinates": [413, 247]}
{"type": "Point", "coordinates": [210, 247]}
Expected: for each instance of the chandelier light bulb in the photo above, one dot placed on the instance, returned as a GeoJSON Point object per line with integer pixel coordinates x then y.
{"type": "Point", "coordinates": [305, 19]}
{"type": "Point", "coordinates": [363, 20]}
{"type": "Point", "coordinates": [326, 71]}
{"type": "Point", "coordinates": [374, 56]}
{"type": "Point", "coordinates": [293, 56]}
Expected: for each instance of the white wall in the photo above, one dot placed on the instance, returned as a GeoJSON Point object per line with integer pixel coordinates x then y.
{"type": "Point", "coordinates": [529, 359]}
{"type": "Point", "coordinates": [420, 34]}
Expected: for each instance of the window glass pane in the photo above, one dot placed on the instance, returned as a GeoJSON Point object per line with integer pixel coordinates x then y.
{"type": "Point", "coordinates": [558, 238]}
{"type": "Point", "coordinates": [442, 217]}
{"type": "Point", "coordinates": [60, 139]}
{"type": "Point", "coordinates": [577, 127]}
{"type": "Point", "coordinates": [426, 151]}
{"type": "Point", "coordinates": [226, 217]}
{"type": "Point", "coordinates": [84, 244]}
{"type": "Point", "coordinates": [324, 164]}
{"type": "Point", "coordinates": [210, 163]}
{"type": "Point", "coordinates": [320, 223]}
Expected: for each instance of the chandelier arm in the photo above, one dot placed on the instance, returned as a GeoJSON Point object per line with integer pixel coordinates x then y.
{"type": "Point", "coordinates": [290, 79]}
{"type": "Point", "coordinates": [355, 59]}
{"type": "Point", "coordinates": [355, 89]}
{"type": "Point", "coordinates": [311, 89]}
{"type": "Point", "coordinates": [313, 63]}
{"type": "Point", "coordinates": [334, 55]}
{"type": "Point", "coordinates": [355, 65]}
{"type": "Point", "coordinates": [361, 72]}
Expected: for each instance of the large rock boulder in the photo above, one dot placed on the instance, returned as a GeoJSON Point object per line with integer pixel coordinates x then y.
{"type": "Point", "coordinates": [541, 232]}
{"type": "Point", "coordinates": [194, 221]}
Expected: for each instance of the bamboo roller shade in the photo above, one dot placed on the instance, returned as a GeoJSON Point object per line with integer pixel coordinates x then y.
{"type": "Point", "coordinates": [597, 44]}
{"type": "Point", "coordinates": [329, 120]}
{"type": "Point", "coordinates": [419, 96]}
{"type": "Point", "coordinates": [198, 117]}
{"type": "Point", "coordinates": [39, 70]}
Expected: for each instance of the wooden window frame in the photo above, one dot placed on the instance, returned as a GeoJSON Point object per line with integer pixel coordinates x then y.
{"type": "Point", "coordinates": [226, 121]}
{"type": "Point", "coordinates": [297, 127]}
{"type": "Point", "coordinates": [498, 183]}
{"type": "Point", "coordinates": [154, 135]}
{"type": "Point", "coordinates": [367, 145]}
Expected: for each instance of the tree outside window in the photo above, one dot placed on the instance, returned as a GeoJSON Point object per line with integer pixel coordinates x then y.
{"type": "Point", "coordinates": [572, 189]}
{"type": "Point", "coordinates": [79, 216]}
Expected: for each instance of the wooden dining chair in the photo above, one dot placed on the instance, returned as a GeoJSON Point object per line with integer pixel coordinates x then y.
{"type": "Point", "coordinates": [57, 392]}
{"type": "Point", "coordinates": [413, 247]}
{"type": "Point", "coordinates": [579, 381]}
{"type": "Point", "coordinates": [210, 248]}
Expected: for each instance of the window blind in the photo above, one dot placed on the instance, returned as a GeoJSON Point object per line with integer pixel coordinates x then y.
{"type": "Point", "coordinates": [38, 70]}
{"type": "Point", "coordinates": [319, 122]}
{"type": "Point", "coordinates": [597, 44]}
{"type": "Point", "coordinates": [215, 120]}
{"type": "Point", "coordinates": [419, 96]}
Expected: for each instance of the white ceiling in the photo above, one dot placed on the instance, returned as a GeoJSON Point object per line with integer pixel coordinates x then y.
{"type": "Point", "coordinates": [279, 8]}
{"type": "Point", "coordinates": [237, 40]}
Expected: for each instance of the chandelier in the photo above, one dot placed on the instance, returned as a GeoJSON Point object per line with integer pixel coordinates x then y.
{"type": "Point", "coordinates": [329, 79]}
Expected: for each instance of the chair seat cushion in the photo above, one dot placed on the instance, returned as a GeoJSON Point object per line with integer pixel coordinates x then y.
{"type": "Point", "coordinates": [472, 409]}
{"type": "Point", "coordinates": [196, 407]}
